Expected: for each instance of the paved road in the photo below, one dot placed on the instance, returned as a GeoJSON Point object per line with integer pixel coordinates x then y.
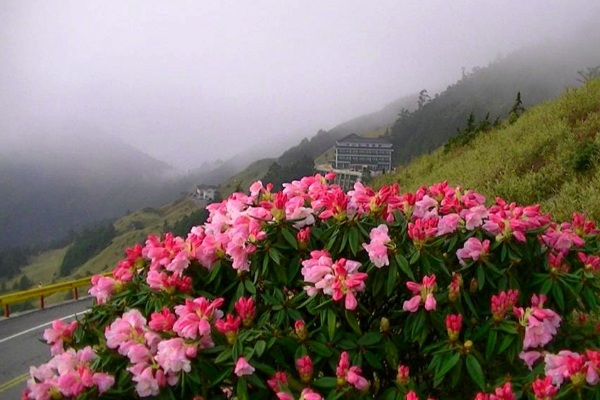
{"type": "Point", "coordinates": [20, 345]}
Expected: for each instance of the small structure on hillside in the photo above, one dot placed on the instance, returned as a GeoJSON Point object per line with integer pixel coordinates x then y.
{"type": "Point", "coordinates": [356, 153]}
{"type": "Point", "coordinates": [207, 193]}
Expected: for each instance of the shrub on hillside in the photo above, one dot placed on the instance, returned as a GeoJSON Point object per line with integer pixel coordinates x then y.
{"type": "Point", "coordinates": [87, 244]}
{"type": "Point", "coordinates": [315, 293]}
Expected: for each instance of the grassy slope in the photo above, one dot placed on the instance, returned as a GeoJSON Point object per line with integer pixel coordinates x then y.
{"type": "Point", "coordinates": [244, 179]}
{"type": "Point", "coordinates": [528, 162]}
{"type": "Point", "coordinates": [43, 268]}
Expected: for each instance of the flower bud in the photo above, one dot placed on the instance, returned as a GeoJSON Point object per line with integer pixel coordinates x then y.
{"type": "Point", "coordinates": [403, 376]}
{"type": "Point", "coordinates": [384, 325]}
{"type": "Point", "coordinates": [300, 329]}
{"type": "Point", "coordinates": [468, 345]}
{"type": "Point", "coordinates": [473, 286]}
{"type": "Point", "coordinates": [453, 326]}
{"type": "Point", "coordinates": [304, 365]}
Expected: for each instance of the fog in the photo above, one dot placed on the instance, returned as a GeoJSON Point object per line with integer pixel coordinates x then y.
{"type": "Point", "coordinates": [194, 81]}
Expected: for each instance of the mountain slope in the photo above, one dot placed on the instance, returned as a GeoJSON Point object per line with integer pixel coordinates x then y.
{"type": "Point", "coordinates": [551, 156]}
{"type": "Point", "coordinates": [538, 73]}
{"type": "Point", "coordinates": [62, 182]}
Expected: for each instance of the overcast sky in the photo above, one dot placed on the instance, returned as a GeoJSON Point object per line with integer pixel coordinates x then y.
{"type": "Point", "coordinates": [188, 81]}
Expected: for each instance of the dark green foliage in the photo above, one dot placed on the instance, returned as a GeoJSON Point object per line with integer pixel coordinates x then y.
{"type": "Point", "coordinates": [491, 89]}
{"type": "Point", "coordinates": [185, 224]}
{"type": "Point", "coordinates": [87, 244]}
{"type": "Point", "coordinates": [278, 174]}
{"type": "Point", "coordinates": [517, 110]}
{"type": "Point", "coordinates": [11, 261]}
{"type": "Point", "coordinates": [585, 156]}
{"type": "Point", "coordinates": [472, 129]}
{"type": "Point", "coordinates": [588, 73]}
{"type": "Point", "coordinates": [23, 284]}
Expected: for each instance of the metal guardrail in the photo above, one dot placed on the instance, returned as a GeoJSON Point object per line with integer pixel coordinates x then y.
{"type": "Point", "coordinates": [44, 291]}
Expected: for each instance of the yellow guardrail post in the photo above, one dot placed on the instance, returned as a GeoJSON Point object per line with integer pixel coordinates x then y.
{"type": "Point", "coordinates": [43, 291]}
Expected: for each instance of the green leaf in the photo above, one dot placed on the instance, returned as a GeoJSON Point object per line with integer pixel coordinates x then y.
{"type": "Point", "coordinates": [369, 339]}
{"type": "Point", "coordinates": [391, 279]}
{"type": "Point", "coordinates": [224, 356]}
{"type": "Point", "coordinates": [242, 390]}
{"type": "Point", "coordinates": [415, 257]}
{"type": "Point", "coordinates": [480, 277]}
{"type": "Point", "coordinates": [290, 238]}
{"type": "Point", "coordinates": [491, 344]}
{"type": "Point", "coordinates": [353, 240]}
{"type": "Point", "coordinates": [558, 297]}
{"type": "Point", "coordinates": [325, 382]}
{"type": "Point", "coordinates": [351, 318]}
{"type": "Point", "coordinates": [275, 255]}
{"type": "Point", "coordinates": [373, 360]}
{"type": "Point", "coordinates": [445, 367]}
{"type": "Point", "coordinates": [260, 347]}
{"type": "Point", "coordinates": [331, 323]}
{"type": "Point", "coordinates": [474, 369]}
{"type": "Point", "coordinates": [320, 348]}
{"type": "Point", "coordinates": [404, 266]}
{"type": "Point", "coordinates": [250, 286]}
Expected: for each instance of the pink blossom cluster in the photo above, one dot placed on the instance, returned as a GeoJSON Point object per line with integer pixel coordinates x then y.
{"type": "Point", "coordinates": [339, 279]}
{"type": "Point", "coordinates": [67, 374]}
{"type": "Point", "coordinates": [59, 334]}
{"type": "Point", "coordinates": [504, 392]}
{"type": "Point", "coordinates": [279, 384]}
{"type": "Point", "coordinates": [350, 374]}
{"type": "Point", "coordinates": [379, 246]}
{"type": "Point", "coordinates": [422, 294]}
{"type": "Point", "coordinates": [540, 323]}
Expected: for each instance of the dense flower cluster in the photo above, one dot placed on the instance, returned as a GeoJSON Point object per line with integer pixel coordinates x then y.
{"type": "Point", "coordinates": [312, 293]}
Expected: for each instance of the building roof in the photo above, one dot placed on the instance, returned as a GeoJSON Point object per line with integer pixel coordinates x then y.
{"type": "Point", "coordinates": [354, 138]}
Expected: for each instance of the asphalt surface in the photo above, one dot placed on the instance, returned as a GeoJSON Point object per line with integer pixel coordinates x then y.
{"type": "Point", "coordinates": [21, 344]}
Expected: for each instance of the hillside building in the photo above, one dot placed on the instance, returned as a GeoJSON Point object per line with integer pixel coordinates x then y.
{"type": "Point", "coordinates": [357, 153]}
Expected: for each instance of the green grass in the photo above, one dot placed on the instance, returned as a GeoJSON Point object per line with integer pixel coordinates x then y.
{"type": "Point", "coordinates": [44, 267]}
{"type": "Point", "coordinates": [244, 179]}
{"type": "Point", "coordinates": [530, 162]}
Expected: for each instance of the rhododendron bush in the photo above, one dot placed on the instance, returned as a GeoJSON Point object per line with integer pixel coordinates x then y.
{"type": "Point", "coordinates": [313, 293]}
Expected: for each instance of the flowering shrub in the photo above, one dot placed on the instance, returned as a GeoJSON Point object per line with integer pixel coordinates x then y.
{"type": "Point", "coordinates": [315, 293]}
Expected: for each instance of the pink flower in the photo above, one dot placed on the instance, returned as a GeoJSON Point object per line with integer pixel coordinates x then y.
{"type": "Point", "coordinates": [162, 321]}
{"type": "Point", "coordinates": [147, 382]}
{"type": "Point", "coordinates": [304, 365]}
{"type": "Point", "coordinates": [422, 293]}
{"type": "Point", "coordinates": [246, 309]}
{"type": "Point", "coordinates": [242, 367]}
{"type": "Point", "coordinates": [308, 394]}
{"type": "Point", "coordinates": [403, 376]}
{"type": "Point", "coordinates": [377, 249]}
{"type": "Point", "coordinates": [350, 374]}
{"type": "Point", "coordinates": [453, 326]}
{"type": "Point", "coordinates": [229, 327]}
{"type": "Point", "coordinates": [530, 357]}
{"type": "Point", "coordinates": [544, 389]}
{"type": "Point", "coordinates": [58, 334]}
{"type": "Point", "coordinates": [563, 365]}
{"type": "Point", "coordinates": [540, 323]}
{"type": "Point", "coordinates": [411, 396]}
{"type": "Point", "coordinates": [473, 249]}
{"type": "Point", "coordinates": [172, 356]}
{"type": "Point", "coordinates": [277, 381]}
{"type": "Point", "coordinates": [502, 303]}
{"type": "Point", "coordinates": [195, 318]}
{"type": "Point", "coordinates": [474, 216]}
{"type": "Point", "coordinates": [102, 288]}
{"type": "Point", "coordinates": [448, 224]}
{"type": "Point", "coordinates": [504, 392]}
{"type": "Point", "coordinates": [126, 331]}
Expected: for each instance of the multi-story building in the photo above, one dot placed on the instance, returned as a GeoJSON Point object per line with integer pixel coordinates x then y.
{"type": "Point", "coordinates": [359, 154]}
